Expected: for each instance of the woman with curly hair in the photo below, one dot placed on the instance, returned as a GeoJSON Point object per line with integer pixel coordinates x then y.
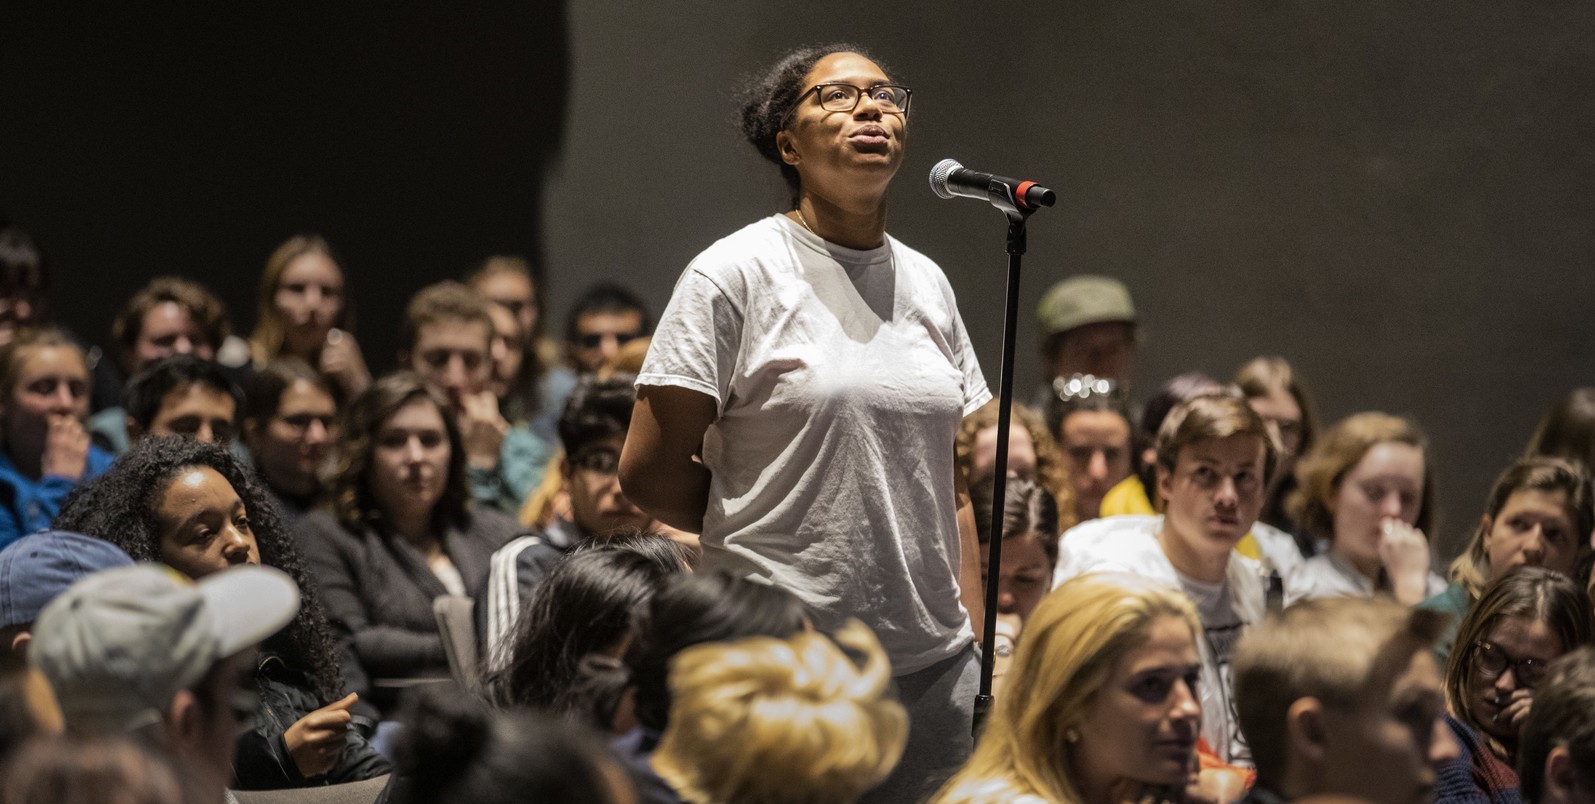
{"type": "Point", "coordinates": [1033, 454]}
{"type": "Point", "coordinates": [197, 508]}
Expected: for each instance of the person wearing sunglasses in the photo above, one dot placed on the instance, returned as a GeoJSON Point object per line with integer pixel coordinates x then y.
{"type": "Point", "coordinates": [1521, 623]}
{"type": "Point", "coordinates": [603, 319]}
{"type": "Point", "coordinates": [821, 368]}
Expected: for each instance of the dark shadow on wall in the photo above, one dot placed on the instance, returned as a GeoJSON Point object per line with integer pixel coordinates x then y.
{"type": "Point", "coordinates": [143, 139]}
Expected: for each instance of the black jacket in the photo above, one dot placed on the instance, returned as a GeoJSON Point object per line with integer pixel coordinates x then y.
{"type": "Point", "coordinates": [262, 761]}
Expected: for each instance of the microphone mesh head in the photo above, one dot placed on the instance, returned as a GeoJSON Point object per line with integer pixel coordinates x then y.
{"type": "Point", "coordinates": [939, 175]}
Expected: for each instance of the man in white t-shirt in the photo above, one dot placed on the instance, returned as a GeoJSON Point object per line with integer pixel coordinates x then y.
{"type": "Point", "coordinates": [1214, 458]}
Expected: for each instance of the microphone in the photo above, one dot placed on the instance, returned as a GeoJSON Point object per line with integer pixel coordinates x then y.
{"type": "Point", "coordinates": [948, 179]}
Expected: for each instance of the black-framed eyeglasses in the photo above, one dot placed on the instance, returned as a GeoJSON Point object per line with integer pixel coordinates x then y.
{"type": "Point", "coordinates": [598, 461]}
{"type": "Point", "coordinates": [300, 422]}
{"type": "Point", "coordinates": [889, 98]}
{"type": "Point", "coordinates": [1492, 662]}
{"type": "Point", "coordinates": [593, 340]}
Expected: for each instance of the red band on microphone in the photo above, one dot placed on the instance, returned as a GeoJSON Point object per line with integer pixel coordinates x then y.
{"type": "Point", "coordinates": [1019, 192]}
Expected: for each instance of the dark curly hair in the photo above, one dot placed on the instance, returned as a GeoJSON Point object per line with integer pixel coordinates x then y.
{"type": "Point", "coordinates": [353, 502]}
{"type": "Point", "coordinates": [764, 100]}
{"type": "Point", "coordinates": [119, 507]}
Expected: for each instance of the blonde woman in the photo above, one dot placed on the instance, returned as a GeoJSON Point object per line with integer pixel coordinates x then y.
{"type": "Point", "coordinates": [303, 311]}
{"type": "Point", "coordinates": [781, 721]}
{"type": "Point", "coordinates": [1109, 711]}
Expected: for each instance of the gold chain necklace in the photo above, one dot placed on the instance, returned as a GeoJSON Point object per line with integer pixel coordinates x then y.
{"type": "Point", "coordinates": [805, 222]}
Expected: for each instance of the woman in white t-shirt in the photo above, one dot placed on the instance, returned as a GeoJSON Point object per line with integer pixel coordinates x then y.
{"type": "Point", "coordinates": [800, 399]}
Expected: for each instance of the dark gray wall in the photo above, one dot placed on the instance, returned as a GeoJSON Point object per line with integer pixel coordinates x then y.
{"type": "Point", "coordinates": [1400, 198]}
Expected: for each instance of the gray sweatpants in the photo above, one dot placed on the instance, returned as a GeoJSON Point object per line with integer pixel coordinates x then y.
{"type": "Point", "coordinates": [940, 701]}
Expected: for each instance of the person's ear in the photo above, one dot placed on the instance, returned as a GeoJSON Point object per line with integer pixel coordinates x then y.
{"type": "Point", "coordinates": [1559, 778]}
{"type": "Point", "coordinates": [565, 467]}
{"type": "Point", "coordinates": [1486, 524]}
{"type": "Point", "coordinates": [134, 431]}
{"type": "Point", "coordinates": [786, 145]}
{"type": "Point", "coordinates": [185, 719]}
{"type": "Point", "coordinates": [1165, 482]}
{"type": "Point", "coordinates": [1306, 733]}
{"type": "Point", "coordinates": [19, 643]}
{"type": "Point", "coordinates": [404, 358]}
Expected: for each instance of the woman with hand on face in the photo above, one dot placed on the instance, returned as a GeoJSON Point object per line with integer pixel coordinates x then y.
{"type": "Point", "coordinates": [303, 312]}
{"type": "Point", "coordinates": [822, 369]}
{"type": "Point", "coordinates": [1521, 623]}
{"type": "Point", "coordinates": [1366, 489]}
{"type": "Point", "coordinates": [44, 446]}
{"type": "Point", "coordinates": [400, 533]}
{"type": "Point", "coordinates": [197, 508]}
{"type": "Point", "coordinates": [1102, 705]}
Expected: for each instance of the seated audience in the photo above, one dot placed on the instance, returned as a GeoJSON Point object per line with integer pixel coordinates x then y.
{"type": "Point", "coordinates": [536, 392]}
{"type": "Point", "coordinates": [592, 431]}
{"type": "Point", "coordinates": [198, 509]}
{"type": "Point", "coordinates": [1032, 454]}
{"type": "Point", "coordinates": [401, 532]}
{"type": "Point", "coordinates": [24, 284]}
{"type": "Point", "coordinates": [303, 311]}
{"type": "Point", "coordinates": [1089, 417]}
{"type": "Point", "coordinates": [1272, 388]}
{"type": "Point", "coordinates": [139, 651]}
{"type": "Point", "coordinates": [1029, 557]}
{"type": "Point", "coordinates": [44, 449]}
{"type": "Point", "coordinates": [1521, 623]}
{"type": "Point", "coordinates": [456, 751]}
{"type": "Point", "coordinates": [1135, 493]}
{"type": "Point", "coordinates": [1568, 429]}
{"type": "Point", "coordinates": [1103, 704]}
{"type": "Point", "coordinates": [169, 316]}
{"type": "Point", "coordinates": [181, 395]}
{"type": "Point", "coordinates": [583, 611]}
{"type": "Point", "coordinates": [448, 340]}
{"type": "Point", "coordinates": [1214, 458]}
{"type": "Point", "coordinates": [1341, 698]}
{"type": "Point", "coordinates": [1556, 754]}
{"type": "Point", "coordinates": [782, 721]}
{"type": "Point", "coordinates": [689, 610]}
{"type": "Point", "coordinates": [36, 569]}
{"type": "Point", "coordinates": [1366, 489]}
{"type": "Point", "coordinates": [1088, 326]}
{"type": "Point", "coordinates": [76, 769]}
{"type": "Point", "coordinates": [290, 424]}
{"type": "Point", "coordinates": [1538, 515]}
{"type": "Point", "coordinates": [603, 319]}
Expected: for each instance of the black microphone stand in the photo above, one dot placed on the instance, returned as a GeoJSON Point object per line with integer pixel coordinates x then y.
{"type": "Point", "coordinates": [1017, 215]}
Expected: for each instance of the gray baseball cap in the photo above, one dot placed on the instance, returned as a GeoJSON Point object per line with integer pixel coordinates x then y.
{"type": "Point", "coordinates": [120, 644]}
{"type": "Point", "coordinates": [1084, 299]}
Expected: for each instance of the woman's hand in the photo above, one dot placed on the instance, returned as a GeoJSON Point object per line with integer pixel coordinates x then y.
{"type": "Point", "coordinates": [482, 429]}
{"type": "Point", "coordinates": [1515, 709]}
{"type": "Point", "coordinates": [66, 447]}
{"type": "Point", "coordinates": [1405, 554]}
{"type": "Point", "coordinates": [343, 364]}
{"type": "Point", "coordinates": [316, 741]}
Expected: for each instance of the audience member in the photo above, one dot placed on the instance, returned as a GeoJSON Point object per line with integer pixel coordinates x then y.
{"type": "Point", "coordinates": [27, 706]}
{"type": "Point", "coordinates": [1556, 754]}
{"type": "Point", "coordinates": [303, 311]}
{"type": "Point", "coordinates": [456, 751]}
{"type": "Point", "coordinates": [24, 284]}
{"type": "Point", "coordinates": [1089, 417]}
{"type": "Point", "coordinates": [400, 533]}
{"type": "Point", "coordinates": [33, 571]}
{"type": "Point", "coordinates": [197, 508]}
{"type": "Point", "coordinates": [169, 316]}
{"type": "Point", "coordinates": [508, 353]}
{"type": "Point", "coordinates": [290, 424]}
{"type": "Point", "coordinates": [92, 769]}
{"type": "Point", "coordinates": [584, 610]}
{"type": "Point", "coordinates": [1366, 489]}
{"type": "Point", "coordinates": [1029, 543]}
{"type": "Point", "coordinates": [1273, 390]}
{"type": "Point", "coordinates": [1032, 454]}
{"type": "Point", "coordinates": [592, 431]}
{"type": "Point", "coordinates": [1134, 494]}
{"type": "Point", "coordinates": [1568, 429]}
{"type": "Point", "coordinates": [782, 721]}
{"type": "Point", "coordinates": [44, 449]}
{"type": "Point", "coordinates": [1341, 697]}
{"type": "Point", "coordinates": [1103, 704]}
{"type": "Point", "coordinates": [1088, 326]}
{"type": "Point", "coordinates": [690, 610]}
{"type": "Point", "coordinates": [1214, 458]}
{"type": "Point", "coordinates": [537, 391]}
{"type": "Point", "coordinates": [604, 318]}
{"type": "Point", "coordinates": [181, 395]}
{"type": "Point", "coordinates": [139, 650]}
{"type": "Point", "coordinates": [448, 341]}
{"type": "Point", "coordinates": [1538, 515]}
{"type": "Point", "coordinates": [1521, 623]}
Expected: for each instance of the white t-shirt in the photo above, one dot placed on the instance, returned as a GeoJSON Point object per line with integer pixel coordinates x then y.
{"type": "Point", "coordinates": [1329, 575]}
{"type": "Point", "coordinates": [1128, 544]}
{"type": "Point", "coordinates": [840, 379]}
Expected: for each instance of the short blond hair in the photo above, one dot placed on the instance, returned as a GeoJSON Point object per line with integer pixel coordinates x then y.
{"type": "Point", "coordinates": [1071, 643]}
{"type": "Point", "coordinates": [781, 720]}
{"type": "Point", "coordinates": [1336, 650]}
{"type": "Point", "coordinates": [1216, 415]}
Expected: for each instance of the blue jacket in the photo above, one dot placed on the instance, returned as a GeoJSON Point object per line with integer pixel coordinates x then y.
{"type": "Point", "coordinates": [28, 506]}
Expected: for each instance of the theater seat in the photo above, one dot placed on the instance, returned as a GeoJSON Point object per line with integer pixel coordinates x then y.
{"type": "Point", "coordinates": [364, 792]}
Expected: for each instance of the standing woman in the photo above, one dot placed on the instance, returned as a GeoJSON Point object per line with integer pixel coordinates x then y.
{"type": "Point", "coordinates": [44, 447]}
{"type": "Point", "coordinates": [823, 370]}
{"type": "Point", "coordinates": [303, 312]}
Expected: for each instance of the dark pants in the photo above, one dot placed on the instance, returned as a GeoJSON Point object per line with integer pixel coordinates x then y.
{"type": "Point", "coordinates": [940, 701]}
